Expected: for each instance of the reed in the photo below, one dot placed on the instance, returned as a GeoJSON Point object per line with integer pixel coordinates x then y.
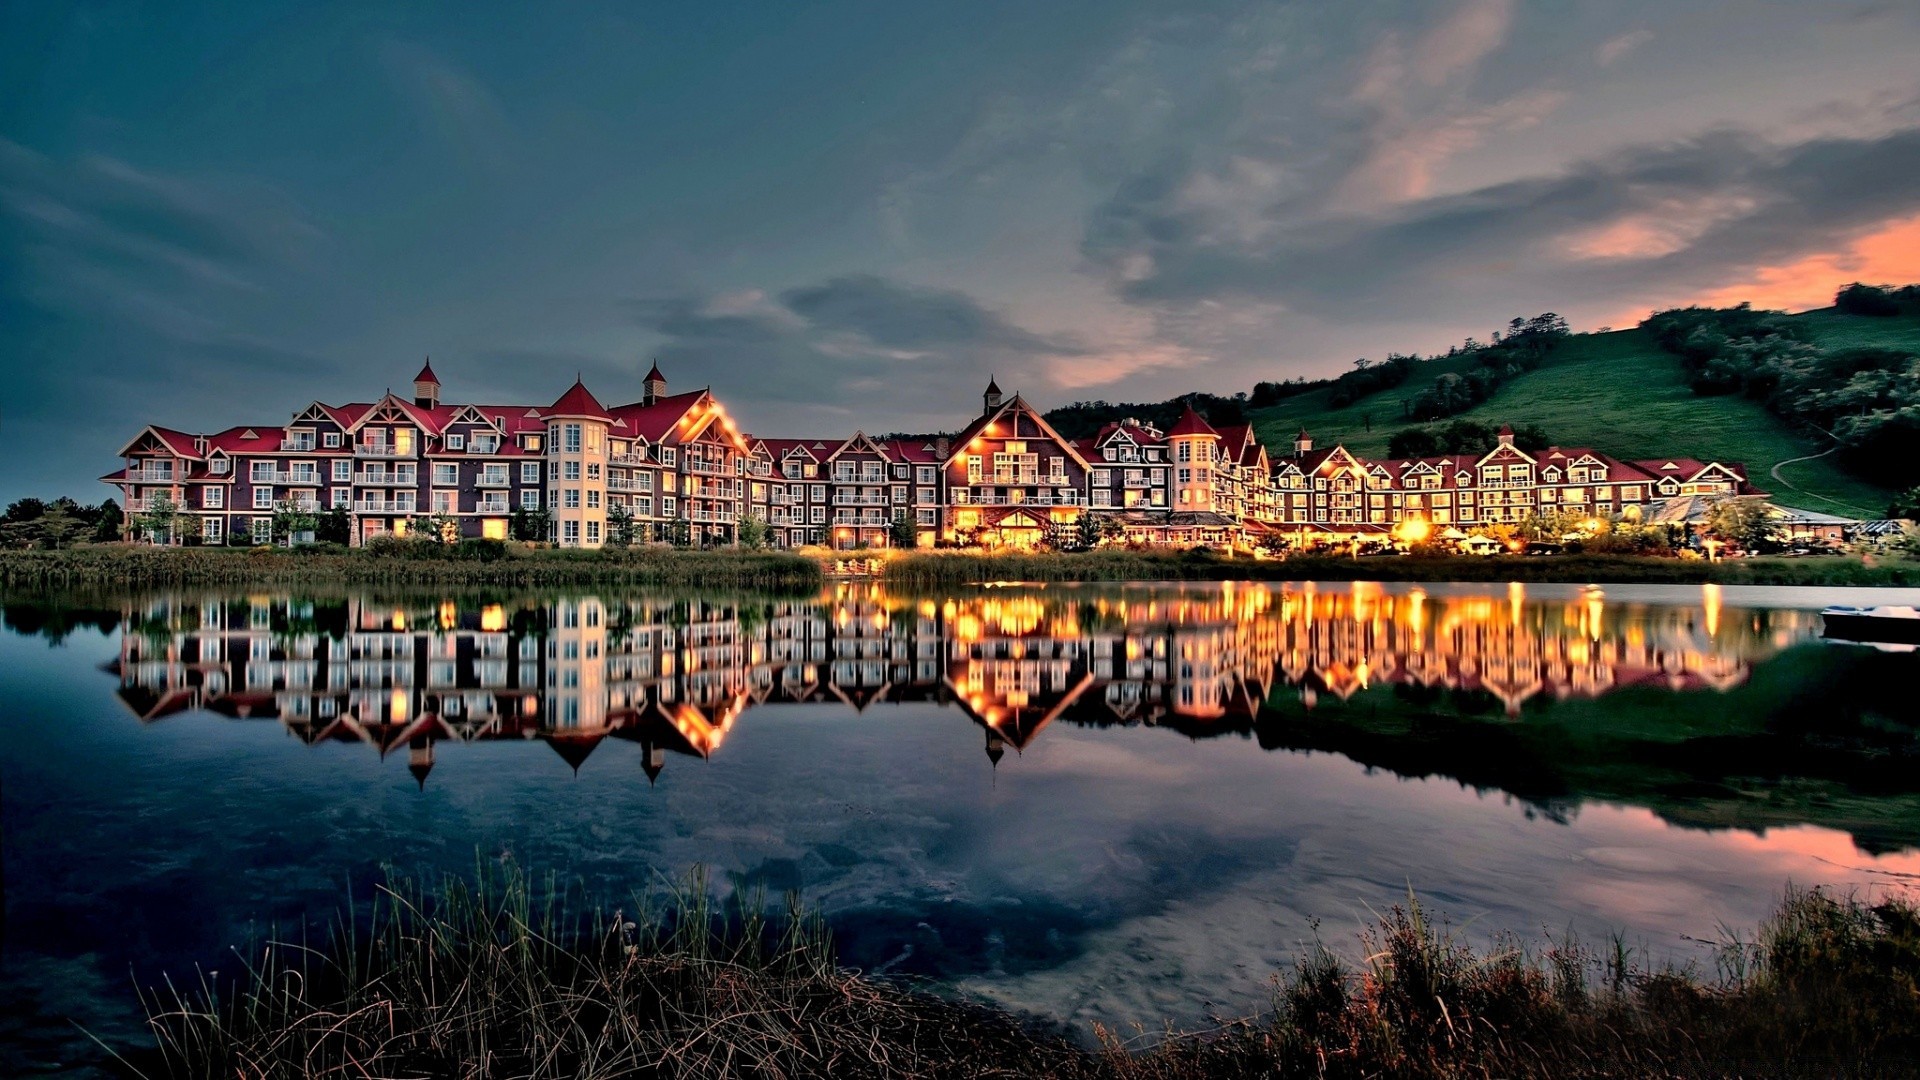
{"type": "Point", "coordinates": [506, 976]}
{"type": "Point", "coordinates": [934, 570]}
{"type": "Point", "coordinates": [123, 566]}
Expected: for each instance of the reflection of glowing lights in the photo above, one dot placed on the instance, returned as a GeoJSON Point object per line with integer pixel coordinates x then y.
{"type": "Point", "coordinates": [1516, 595]}
{"type": "Point", "coordinates": [399, 620]}
{"type": "Point", "coordinates": [1710, 602]}
{"type": "Point", "coordinates": [397, 706]}
{"type": "Point", "coordinates": [493, 617]}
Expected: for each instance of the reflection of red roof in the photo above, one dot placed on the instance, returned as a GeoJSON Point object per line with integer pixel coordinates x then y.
{"type": "Point", "coordinates": [1191, 423]}
{"type": "Point", "coordinates": [579, 401]}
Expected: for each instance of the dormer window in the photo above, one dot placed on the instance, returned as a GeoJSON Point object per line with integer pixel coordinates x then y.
{"type": "Point", "coordinates": [456, 442]}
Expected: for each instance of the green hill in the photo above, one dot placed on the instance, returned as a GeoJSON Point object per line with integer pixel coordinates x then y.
{"type": "Point", "coordinates": [1621, 394]}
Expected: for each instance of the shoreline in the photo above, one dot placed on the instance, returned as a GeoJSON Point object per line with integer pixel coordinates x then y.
{"type": "Point", "coordinates": [944, 569]}
{"type": "Point", "coordinates": [793, 572]}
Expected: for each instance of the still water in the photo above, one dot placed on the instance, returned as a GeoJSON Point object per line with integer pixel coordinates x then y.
{"type": "Point", "coordinates": [1117, 804]}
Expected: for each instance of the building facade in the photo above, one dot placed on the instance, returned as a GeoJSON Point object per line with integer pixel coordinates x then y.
{"type": "Point", "coordinates": [675, 468]}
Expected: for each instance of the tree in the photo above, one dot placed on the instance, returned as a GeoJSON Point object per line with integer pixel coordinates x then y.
{"type": "Point", "coordinates": [1747, 522]}
{"type": "Point", "coordinates": [291, 518]}
{"type": "Point", "coordinates": [619, 526]}
{"type": "Point", "coordinates": [23, 510]}
{"type": "Point", "coordinates": [60, 525]}
{"type": "Point", "coordinates": [1858, 299]}
{"type": "Point", "coordinates": [1089, 530]}
{"type": "Point", "coordinates": [753, 533]}
{"type": "Point", "coordinates": [529, 524]}
{"type": "Point", "coordinates": [1905, 505]}
{"type": "Point", "coordinates": [679, 533]}
{"type": "Point", "coordinates": [160, 519]}
{"type": "Point", "coordinates": [904, 533]}
{"type": "Point", "coordinates": [108, 522]}
{"type": "Point", "coordinates": [334, 527]}
{"type": "Point", "coordinates": [435, 528]}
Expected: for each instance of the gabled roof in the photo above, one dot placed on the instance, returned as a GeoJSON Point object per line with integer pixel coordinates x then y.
{"type": "Point", "coordinates": [579, 401]}
{"type": "Point", "coordinates": [179, 443]}
{"type": "Point", "coordinates": [857, 441]}
{"type": "Point", "coordinates": [1014, 404]}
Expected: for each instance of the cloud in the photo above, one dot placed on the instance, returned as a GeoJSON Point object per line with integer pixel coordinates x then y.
{"type": "Point", "coordinates": [851, 348]}
{"type": "Point", "coordinates": [1614, 49]}
{"type": "Point", "coordinates": [1642, 219]}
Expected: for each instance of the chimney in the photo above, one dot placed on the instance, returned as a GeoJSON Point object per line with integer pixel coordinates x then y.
{"type": "Point", "coordinates": [943, 446]}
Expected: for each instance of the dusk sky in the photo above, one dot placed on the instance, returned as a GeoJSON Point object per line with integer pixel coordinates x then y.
{"type": "Point", "coordinates": [845, 215]}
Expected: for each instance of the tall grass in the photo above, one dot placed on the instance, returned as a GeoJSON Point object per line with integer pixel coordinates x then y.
{"type": "Point", "coordinates": [504, 977]}
{"type": "Point", "coordinates": [148, 566]}
{"type": "Point", "coordinates": [933, 570]}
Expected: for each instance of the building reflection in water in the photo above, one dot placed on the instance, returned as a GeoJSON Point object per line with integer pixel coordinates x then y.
{"type": "Point", "coordinates": [677, 675]}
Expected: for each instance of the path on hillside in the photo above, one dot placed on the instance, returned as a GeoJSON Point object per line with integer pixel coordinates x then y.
{"type": "Point", "coordinates": [1775, 473]}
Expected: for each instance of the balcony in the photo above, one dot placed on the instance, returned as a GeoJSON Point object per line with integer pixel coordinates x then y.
{"type": "Point", "coordinates": [628, 459]}
{"type": "Point", "coordinates": [850, 498]}
{"type": "Point", "coordinates": [1071, 498]}
{"type": "Point", "coordinates": [622, 483]}
{"type": "Point", "coordinates": [380, 506]}
{"type": "Point", "coordinates": [380, 450]}
{"type": "Point", "coordinates": [292, 479]}
{"type": "Point", "coordinates": [723, 517]}
{"type": "Point", "coordinates": [493, 480]}
{"type": "Point", "coordinates": [842, 518]}
{"type": "Point", "coordinates": [493, 507]}
{"type": "Point", "coordinates": [373, 478]}
{"type": "Point", "coordinates": [153, 476]}
{"type": "Point", "coordinates": [297, 446]}
{"type": "Point", "coordinates": [713, 468]}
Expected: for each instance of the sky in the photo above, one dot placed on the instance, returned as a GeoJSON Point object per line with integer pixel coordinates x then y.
{"type": "Point", "coordinates": [846, 215]}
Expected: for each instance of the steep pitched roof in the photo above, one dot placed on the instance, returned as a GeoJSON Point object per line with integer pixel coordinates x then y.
{"type": "Point", "coordinates": [426, 374]}
{"type": "Point", "coordinates": [579, 401]}
{"type": "Point", "coordinates": [1191, 423]}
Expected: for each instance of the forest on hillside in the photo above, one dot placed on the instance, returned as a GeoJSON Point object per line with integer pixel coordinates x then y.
{"type": "Point", "coordinates": [1862, 399]}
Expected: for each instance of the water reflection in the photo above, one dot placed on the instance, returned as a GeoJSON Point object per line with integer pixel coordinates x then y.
{"type": "Point", "coordinates": [679, 676]}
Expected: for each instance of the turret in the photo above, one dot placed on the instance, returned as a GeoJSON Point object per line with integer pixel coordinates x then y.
{"type": "Point", "coordinates": [1302, 444]}
{"type": "Point", "coordinates": [655, 386]}
{"type": "Point", "coordinates": [1506, 435]}
{"type": "Point", "coordinates": [992, 398]}
{"type": "Point", "coordinates": [426, 387]}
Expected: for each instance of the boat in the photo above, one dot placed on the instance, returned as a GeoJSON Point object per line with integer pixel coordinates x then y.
{"type": "Point", "coordinates": [1888, 623]}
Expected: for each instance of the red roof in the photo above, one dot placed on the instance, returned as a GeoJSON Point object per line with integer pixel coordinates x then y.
{"type": "Point", "coordinates": [653, 373]}
{"type": "Point", "coordinates": [1191, 423]}
{"type": "Point", "coordinates": [656, 421]}
{"type": "Point", "coordinates": [427, 375]}
{"type": "Point", "coordinates": [579, 401]}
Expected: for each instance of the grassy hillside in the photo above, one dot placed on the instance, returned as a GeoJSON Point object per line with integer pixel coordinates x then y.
{"type": "Point", "coordinates": [1620, 394]}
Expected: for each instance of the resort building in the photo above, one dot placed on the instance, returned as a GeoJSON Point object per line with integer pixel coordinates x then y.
{"type": "Point", "coordinates": [675, 468]}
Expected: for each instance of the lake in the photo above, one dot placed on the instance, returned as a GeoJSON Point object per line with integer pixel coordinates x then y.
{"type": "Point", "coordinates": [1125, 804]}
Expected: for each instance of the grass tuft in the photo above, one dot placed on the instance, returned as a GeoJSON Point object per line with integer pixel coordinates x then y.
{"type": "Point", "coordinates": [506, 976]}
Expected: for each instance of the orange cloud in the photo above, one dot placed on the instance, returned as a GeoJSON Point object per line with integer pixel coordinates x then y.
{"type": "Point", "coordinates": [1889, 254]}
